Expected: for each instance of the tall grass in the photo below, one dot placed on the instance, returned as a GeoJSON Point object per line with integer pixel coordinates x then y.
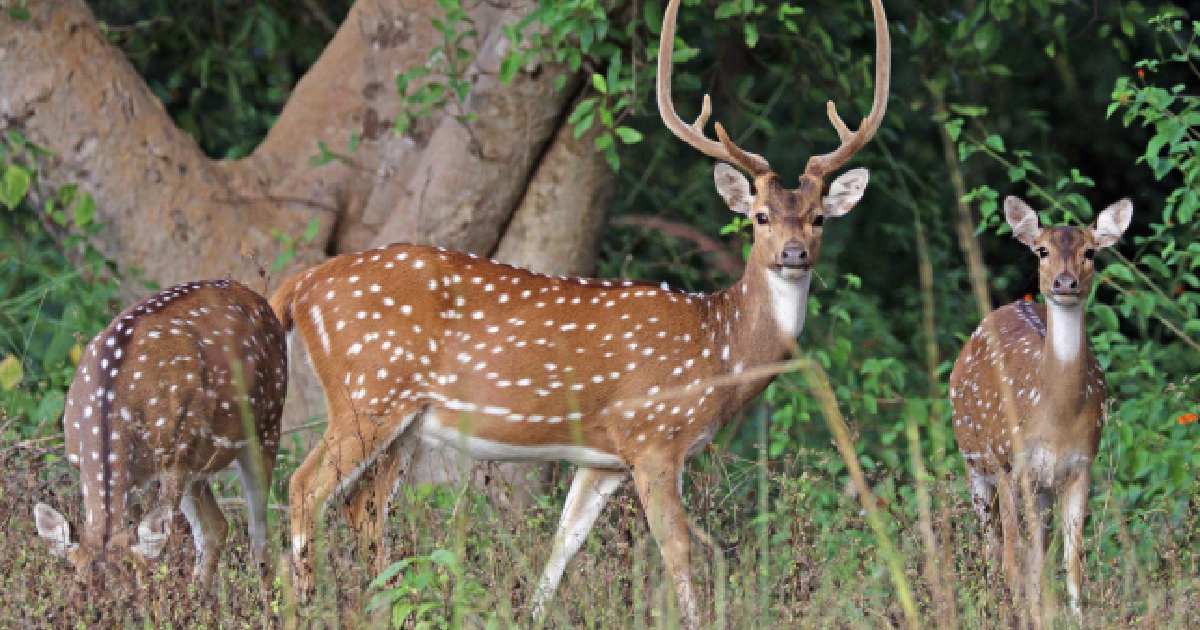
{"type": "Point", "coordinates": [790, 548]}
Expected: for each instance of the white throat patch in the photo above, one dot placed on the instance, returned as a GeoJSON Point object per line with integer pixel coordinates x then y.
{"type": "Point", "coordinates": [789, 302]}
{"type": "Point", "coordinates": [1066, 329]}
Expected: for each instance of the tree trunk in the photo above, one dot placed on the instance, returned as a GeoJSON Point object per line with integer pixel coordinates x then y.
{"type": "Point", "coordinates": [513, 182]}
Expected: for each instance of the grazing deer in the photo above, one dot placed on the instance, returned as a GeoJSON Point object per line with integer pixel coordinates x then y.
{"type": "Point", "coordinates": [175, 389]}
{"type": "Point", "coordinates": [1028, 400]}
{"type": "Point", "coordinates": [417, 343]}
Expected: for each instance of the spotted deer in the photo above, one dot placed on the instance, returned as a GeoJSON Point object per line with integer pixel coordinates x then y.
{"type": "Point", "coordinates": [418, 344]}
{"type": "Point", "coordinates": [176, 388]}
{"type": "Point", "coordinates": [1028, 399]}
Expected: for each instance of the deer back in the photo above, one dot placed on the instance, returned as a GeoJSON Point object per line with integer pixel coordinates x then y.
{"type": "Point", "coordinates": [181, 381]}
{"type": "Point", "coordinates": [520, 357]}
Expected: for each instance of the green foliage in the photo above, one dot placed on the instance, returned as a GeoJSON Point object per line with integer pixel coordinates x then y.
{"type": "Point", "coordinates": [585, 35]}
{"type": "Point", "coordinates": [56, 291]}
{"type": "Point", "coordinates": [1010, 115]}
{"type": "Point", "coordinates": [287, 251]}
{"type": "Point", "coordinates": [223, 68]}
{"type": "Point", "coordinates": [442, 83]}
{"type": "Point", "coordinates": [1153, 353]}
{"type": "Point", "coordinates": [1146, 314]}
{"type": "Point", "coordinates": [1007, 95]}
{"type": "Point", "coordinates": [433, 589]}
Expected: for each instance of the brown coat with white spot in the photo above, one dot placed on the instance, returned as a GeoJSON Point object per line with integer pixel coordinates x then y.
{"type": "Point", "coordinates": [1038, 392]}
{"type": "Point", "coordinates": [615, 376]}
{"type": "Point", "coordinates": [176, 388]}
{"type": "Point", "coordinates": [1028, 399]}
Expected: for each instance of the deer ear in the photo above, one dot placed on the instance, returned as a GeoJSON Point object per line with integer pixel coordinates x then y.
{"type": "Point", "coordinates": [1112, 223]}
{"type": "Point", "coordinates": [1022, 219]}
{"type": "Point", "coordinates": [845, 192]}
{"type": "Point", "coordinates": [153, 531]}
{"type": "Point", "coordinates": [734, 188]}
{"type": "Point", "coordinates": [54, 527]}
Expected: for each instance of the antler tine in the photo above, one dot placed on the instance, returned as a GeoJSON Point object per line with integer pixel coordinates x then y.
{"type": "Point", "coordinates": [843, 132]}
{"type": "Point", "coordinates": [705, 112]}
{"type": "Point", "coordinates": [851, 142]}
{"type": "Point", "coordinates": [694, 134]}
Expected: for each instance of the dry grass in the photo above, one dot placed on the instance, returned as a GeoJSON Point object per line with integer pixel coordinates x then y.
{"type": "Point", "coordinates": [809, 561]}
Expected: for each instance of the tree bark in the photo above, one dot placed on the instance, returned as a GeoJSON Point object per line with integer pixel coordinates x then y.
{"type": "Point", "coordinates": [512, 182]}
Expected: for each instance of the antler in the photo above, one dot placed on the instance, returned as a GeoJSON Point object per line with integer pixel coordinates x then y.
{"type": "Point", "coordinates": [852, 141]}
{"type": "Point", "coordinates": [693, 134]}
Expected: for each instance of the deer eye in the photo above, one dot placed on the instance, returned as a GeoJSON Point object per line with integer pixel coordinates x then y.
{"type": "Point", "coordinates": [1042, 252]}
{"type": "Point", "coordinates": [1089, 253]}
{"type": "Point", "coordinates": [819, 220]}
{"type": "Point", "coordinates": [761, 217]}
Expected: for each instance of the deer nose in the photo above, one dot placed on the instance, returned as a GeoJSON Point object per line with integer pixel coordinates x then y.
{"type": "Point", "coordinates": [1066, 283]}
{"type": "Point", "coordinates": [794, 254]}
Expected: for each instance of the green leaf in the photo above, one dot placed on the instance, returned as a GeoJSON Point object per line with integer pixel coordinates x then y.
{"type": "Point", "coordinates": [310, 230]}
{"type": "Point", "coordinates": [604, 141]}
{"type": "Point", "coordinates": [11, 372]}
{"type": "Point", "coordinates": [629, 135]}
{"type": "Point", "coordinates": [50, 408]}
{"type": "Point", "coordinates": [584, 124]}
{"type": "Point", "coordinates": [995, 142]}
{"type": "Point", "coordinates": [970, 111]}
{"type": "Point", "coordinates": [388, 573]}
{"type": "Point", "coordinates": [751, 34]}
{"type": "Point", "coordinates": [1106, 316]}
{"type": "Point", "coordinates": [14, 185]}
{"type": "Point", "coordinates": [954, 128]}
{"type": "Point", "coordinates": [986, 37]}
{"type": "Point", "coordinates": [84, 210]}
{"type": "Point", "coordinates": [444, 557]}
{"type": "Point", "coordinates": [727, 10]}
{"type": "Point", "coordinates": [1119, 271]}
{"type": "Point", "coordinates": [600, 83]}
{"type": "Point", "coordinates": [509, 67]}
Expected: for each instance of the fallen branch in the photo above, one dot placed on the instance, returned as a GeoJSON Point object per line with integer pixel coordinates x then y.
{"type": "Point", "coordinates": [722, 257]}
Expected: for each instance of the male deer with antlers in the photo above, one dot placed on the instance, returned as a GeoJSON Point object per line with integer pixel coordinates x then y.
{"type": "Point", "coordinates": [176, 388]}
{"type": "Point", "coordinates": [1028, 400]}
{"type": "Point", "coordinates": [615, 376]}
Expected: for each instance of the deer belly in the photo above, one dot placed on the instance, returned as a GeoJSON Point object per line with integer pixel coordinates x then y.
{"type": "Point", "coordinates": [441, 429]}
{"type": "Point", "coordinates": [1048, 468]}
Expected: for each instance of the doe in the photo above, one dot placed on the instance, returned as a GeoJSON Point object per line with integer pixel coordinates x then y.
{"type": "Point", "coordinates": [416, 343]}
{"type": "Point", "coordinates": [175, 389]}
{"type": "Point", "coordinates": [1028, 399]}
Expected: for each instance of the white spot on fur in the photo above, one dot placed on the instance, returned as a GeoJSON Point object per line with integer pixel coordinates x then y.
{"type": "Point", "coordinates": [319, 322]}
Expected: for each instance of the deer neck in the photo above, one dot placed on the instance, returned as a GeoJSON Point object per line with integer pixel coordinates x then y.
{"type": "Point", "coordinates": [760, 317]}
{"type": "Point", "coordinates": [1064, 357]}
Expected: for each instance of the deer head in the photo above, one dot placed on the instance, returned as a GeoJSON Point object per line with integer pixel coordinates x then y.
{"type": "Point", "coordinates": [787, 222]}
{"type": "Point", "coordinates": [1066, 255]}
{"type": "Point", "coordinates": [145, 544]}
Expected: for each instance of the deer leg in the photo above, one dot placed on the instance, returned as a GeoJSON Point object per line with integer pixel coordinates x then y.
{"type": "Point", "coordinates": [590, 490]}
{"type": "Point", "coordinates": [983, 500]}
{"type": "Point", "coordinates": [1010, 529]}
{"type": "Point", "coordinates": [254, 470]}
{"type": "Point", "coordinates": [367, 510]}
{"type": "Point", "coordinates": [209, 528]}
{"type": "Point", "coordinates": [1035, 551]}
{"type": "Point", "coordinates": [349, 447]}
{"type": "Point", "coordinates": [658, 486]}
{"type": "Point", "coordinates": [1074, 512]}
